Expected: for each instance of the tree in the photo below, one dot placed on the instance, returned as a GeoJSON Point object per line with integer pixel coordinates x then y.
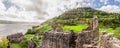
{"type": "Point", "coordinates": [4, 42]}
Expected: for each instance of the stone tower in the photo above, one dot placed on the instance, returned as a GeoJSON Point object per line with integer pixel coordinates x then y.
{"type": "Point", "coordinates": [95, 23]}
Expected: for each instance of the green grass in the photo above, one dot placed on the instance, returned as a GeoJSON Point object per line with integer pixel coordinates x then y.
{"type": "Point", "coordinates": [29, 36]}
{"type": "Point", "coordinates": [77, 28]}
{"type": "Point", "coordinates": [45, 28]}
{"type": "Point", "coordinates": [16, 45]}
{"type": "Point", "coordinates": [109, 30]}
{"type": "Point", "coordinates": [37, 42]}
{"type": "Point", "coordinates": [80, 27]}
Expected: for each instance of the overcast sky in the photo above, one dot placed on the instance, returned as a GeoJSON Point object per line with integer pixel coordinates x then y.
{"type": "Point", "coordinates": [41, 10]}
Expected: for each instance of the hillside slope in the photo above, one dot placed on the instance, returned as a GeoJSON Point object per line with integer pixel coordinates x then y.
{"type": "Point", "coordinates": [74, 16]}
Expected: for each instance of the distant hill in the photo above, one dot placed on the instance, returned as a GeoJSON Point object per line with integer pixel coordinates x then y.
{"type": "Point", "coordinates": [72, 17]}
{"type": "Point", "coordinates": [16, 22]}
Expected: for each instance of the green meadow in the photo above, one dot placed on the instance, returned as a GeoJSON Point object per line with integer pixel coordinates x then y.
{"type": "Point", "coordinates": [77, 28]}
{"type": "Point", "coordinates": [16, 45]}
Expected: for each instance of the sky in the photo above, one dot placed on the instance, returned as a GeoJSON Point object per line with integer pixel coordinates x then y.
{"type": "Point", "coordinates": [42, 10]}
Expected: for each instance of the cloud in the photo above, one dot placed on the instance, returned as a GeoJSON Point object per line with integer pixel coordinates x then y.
{"type": "Point", "coordinates": [110, 9]}
{"type": "Point", "coordinates": [41, 10]}
{"type": "Point", "coordinates": [104, 1]}
{"type": "Point", "coordinates": [18, 11]}
{"type": "Point", "coordinates": [37, 10]}
{"type": "Point", "coordinates": [117, 0]}
{"type": "Point", "coordinates": [2, 7]}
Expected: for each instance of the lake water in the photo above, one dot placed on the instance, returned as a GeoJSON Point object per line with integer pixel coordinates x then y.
{"type": "Point", "coordinates": [8, 29]}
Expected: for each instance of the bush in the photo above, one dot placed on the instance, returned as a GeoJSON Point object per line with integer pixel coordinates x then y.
{"type": "Point", "coordinates": [4, 42]}
{"type": "Point", "coordinates": [30, 31]}
{"type": "Point", "coordinates": [24, 44]}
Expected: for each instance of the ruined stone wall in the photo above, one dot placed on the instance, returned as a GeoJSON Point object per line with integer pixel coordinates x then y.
{"type": "Point", "coordinates": [70, 40]}
{"type": "Point", "coordinates": [86, 40]}
{"type": "Point", "coordinates": [108, 41]}
{"type": "Point", "coordinates": [78, 40]}
{"type": "Point", "coordinates": [88, 37]}
{"type": "Point", "coordinates": [15, 38]}
{"type": "Point", "coordinates": [56, 40]}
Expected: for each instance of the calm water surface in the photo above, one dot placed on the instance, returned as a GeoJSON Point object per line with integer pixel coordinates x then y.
{"type": "Point", "coordinates": [8, 29]}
